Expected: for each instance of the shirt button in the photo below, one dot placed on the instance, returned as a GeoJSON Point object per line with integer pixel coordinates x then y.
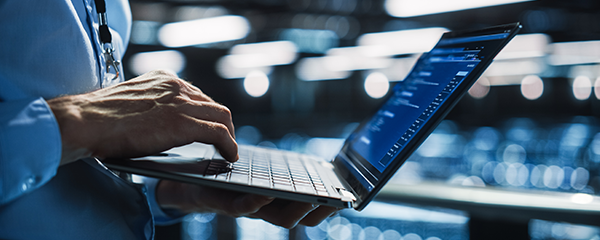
{"type": "Point", "coordinates": [30, 182]}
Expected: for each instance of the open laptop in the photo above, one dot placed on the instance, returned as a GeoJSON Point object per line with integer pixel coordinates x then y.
{"type": "Point", "coordinates": [370, 155]}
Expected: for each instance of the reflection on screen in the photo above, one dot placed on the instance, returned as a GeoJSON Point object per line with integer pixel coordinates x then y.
{"type": "Point", "coordinates": [435, 76]}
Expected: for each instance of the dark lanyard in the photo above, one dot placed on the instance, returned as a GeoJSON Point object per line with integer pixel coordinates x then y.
{"type": "Point", "coordinates": [106, 38]}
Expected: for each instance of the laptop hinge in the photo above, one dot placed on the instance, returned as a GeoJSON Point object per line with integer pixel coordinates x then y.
{"type": "Point", "coordinates": [347, 187]}
{"type": "Point", "coordinates": [346, 195]}
{"type": "Point", "coordinates": [338, 185]}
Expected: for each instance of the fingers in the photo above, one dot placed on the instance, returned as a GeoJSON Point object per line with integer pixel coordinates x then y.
{"type": "Point", "coordinates": [208, 199]}
{"type": "Point", "coordinates": [213, 133]}
{"type": "Point", "coordinates": [209, 111]}
{"type": "Point", "coordinates": [195, 93]}
{"type": "Point", "coordinates": [211, 115]}
{"type": "Point", "coordinates": [195, 198]}
{"type": "Point", "coordinates": [285, 213]}
{"type": "Point", "coordinates": [250, 203]}
{"type": "Point", "coordinates": [318, 215]}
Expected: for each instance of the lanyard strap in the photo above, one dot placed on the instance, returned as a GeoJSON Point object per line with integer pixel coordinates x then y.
{"type": "Point", "coordinates": [106, 38]}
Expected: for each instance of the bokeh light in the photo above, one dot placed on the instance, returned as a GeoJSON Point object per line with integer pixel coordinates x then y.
{"type": "Point", "coordinates": [256, 83]}
{"type": "Point", "coordinates": [376, 85]}
{"type": "Point", "coordinates": [582, 87]}
{"type": "Point", "coordinates": [532, 87]}
{"type": "Point", "coordinates": [480, 89]}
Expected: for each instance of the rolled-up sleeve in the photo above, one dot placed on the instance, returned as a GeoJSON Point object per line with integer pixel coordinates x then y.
{"type": "Point", "coordinates": [30, 146]}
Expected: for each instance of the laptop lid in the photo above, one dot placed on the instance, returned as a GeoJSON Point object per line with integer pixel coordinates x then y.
{"type": "Point", "coordinates": [416, 105]}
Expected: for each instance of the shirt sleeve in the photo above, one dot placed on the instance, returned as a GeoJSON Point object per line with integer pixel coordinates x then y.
{"type": "Point", "coordinates": [161, 216]}
{"type": "Point", "coordinates": [30, 146]}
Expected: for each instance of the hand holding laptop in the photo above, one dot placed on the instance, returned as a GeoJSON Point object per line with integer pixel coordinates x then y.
{"type": "Point", "coordinates": [188, 198]}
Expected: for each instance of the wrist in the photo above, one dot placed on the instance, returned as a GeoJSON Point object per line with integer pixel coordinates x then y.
{"type": "Point", "coordinates": [67, 115]}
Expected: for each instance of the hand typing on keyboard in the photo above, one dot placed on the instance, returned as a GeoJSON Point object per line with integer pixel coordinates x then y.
{"type": "Point", "coordinates": [190, 198]}
{"type": "Point", "coordinates": [155, 112]}
{"type": "Point", "coordinates": [145, 115]}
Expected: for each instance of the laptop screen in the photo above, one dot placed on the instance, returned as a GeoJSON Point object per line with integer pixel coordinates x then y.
{"type": "Point", "coordinates": [417, 104]}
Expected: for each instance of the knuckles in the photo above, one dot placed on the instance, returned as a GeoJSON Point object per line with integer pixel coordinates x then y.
{"type": "Point", "coordinates": [162, 72]}
{"type": "Point", "coordinates": [224, 112]}
{"type": "Point", "coordinates": [221, 130]}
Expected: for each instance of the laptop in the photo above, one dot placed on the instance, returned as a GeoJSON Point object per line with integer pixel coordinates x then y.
{"type": "Point", "coordinates": [370, 156]}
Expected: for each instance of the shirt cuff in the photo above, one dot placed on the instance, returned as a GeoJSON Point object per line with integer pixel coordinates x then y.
{"type": "Point", "coordinates": [161, 216]}
{"type": "Point", "coordinates": [30, 146]}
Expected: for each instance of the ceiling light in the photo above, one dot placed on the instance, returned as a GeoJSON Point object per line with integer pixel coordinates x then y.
{"type": "Point", "coordinates": [525, 46]}
{"type": "Point", "coordinates": [143, 62]}
{"type": "Point", "coordinates": [573, 53]}
{"type": "Point", "coordinates": [313, 69]}
{"type": "Point", "coordinates": [355, 58]}
{"type": "Point", "coordinates": [412, 8]}
{"type": "Point", "coordinates": [263, 54]}
{"type": "Point", "coordinates": [402, 42]}
{"type": "Point", "coordinates": [226, 69]}
{"type": "Point", "coordinates": [203, 31]}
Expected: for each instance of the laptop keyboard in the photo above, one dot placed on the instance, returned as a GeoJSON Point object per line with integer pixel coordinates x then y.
{"type": "Point", "coordinates": [275, 169]}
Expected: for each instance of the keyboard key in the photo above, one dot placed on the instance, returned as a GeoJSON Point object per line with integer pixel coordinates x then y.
{"type": "Point", "coordinates": [276, 176]}
{"type": "Point", "coordinates": [261, 176]}
{"type": "Point", "coordinates": [281, 181]}
{"type": "Point", "coordinates": [238, 178]}
{"type": "Point", "coordinates": [240, 171]}
{"type": "Point", "coordinates": [279, 169]}
{"type": "Point", "coordinates": [279, 175]}
{"type": "Point", "coordinates": [303, 183]}
{"type": "Point", "coordinates": [318, 184]}
{"type": "Point", "coordinates": [221, 177]}
{"type": "Point", "coordinates": [301, 179]}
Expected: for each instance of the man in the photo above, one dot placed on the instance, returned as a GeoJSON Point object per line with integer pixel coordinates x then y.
{"type": "Point", "coordinates": [61, 111]}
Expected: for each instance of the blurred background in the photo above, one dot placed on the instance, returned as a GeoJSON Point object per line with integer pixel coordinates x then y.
{"type": "Point", "coordinates": [300, 75]}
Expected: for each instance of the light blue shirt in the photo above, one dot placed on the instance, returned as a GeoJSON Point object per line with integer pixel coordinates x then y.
{"type": "Point", "coordinates": [50, 48]}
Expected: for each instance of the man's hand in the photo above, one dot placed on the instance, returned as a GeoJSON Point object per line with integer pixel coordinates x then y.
{"type": "Point", "coordinates": [189, 198]}
{"type": "Point", "coordinates": [145, 115]}
{"type": "Point", "coordinates": [155, 112]}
